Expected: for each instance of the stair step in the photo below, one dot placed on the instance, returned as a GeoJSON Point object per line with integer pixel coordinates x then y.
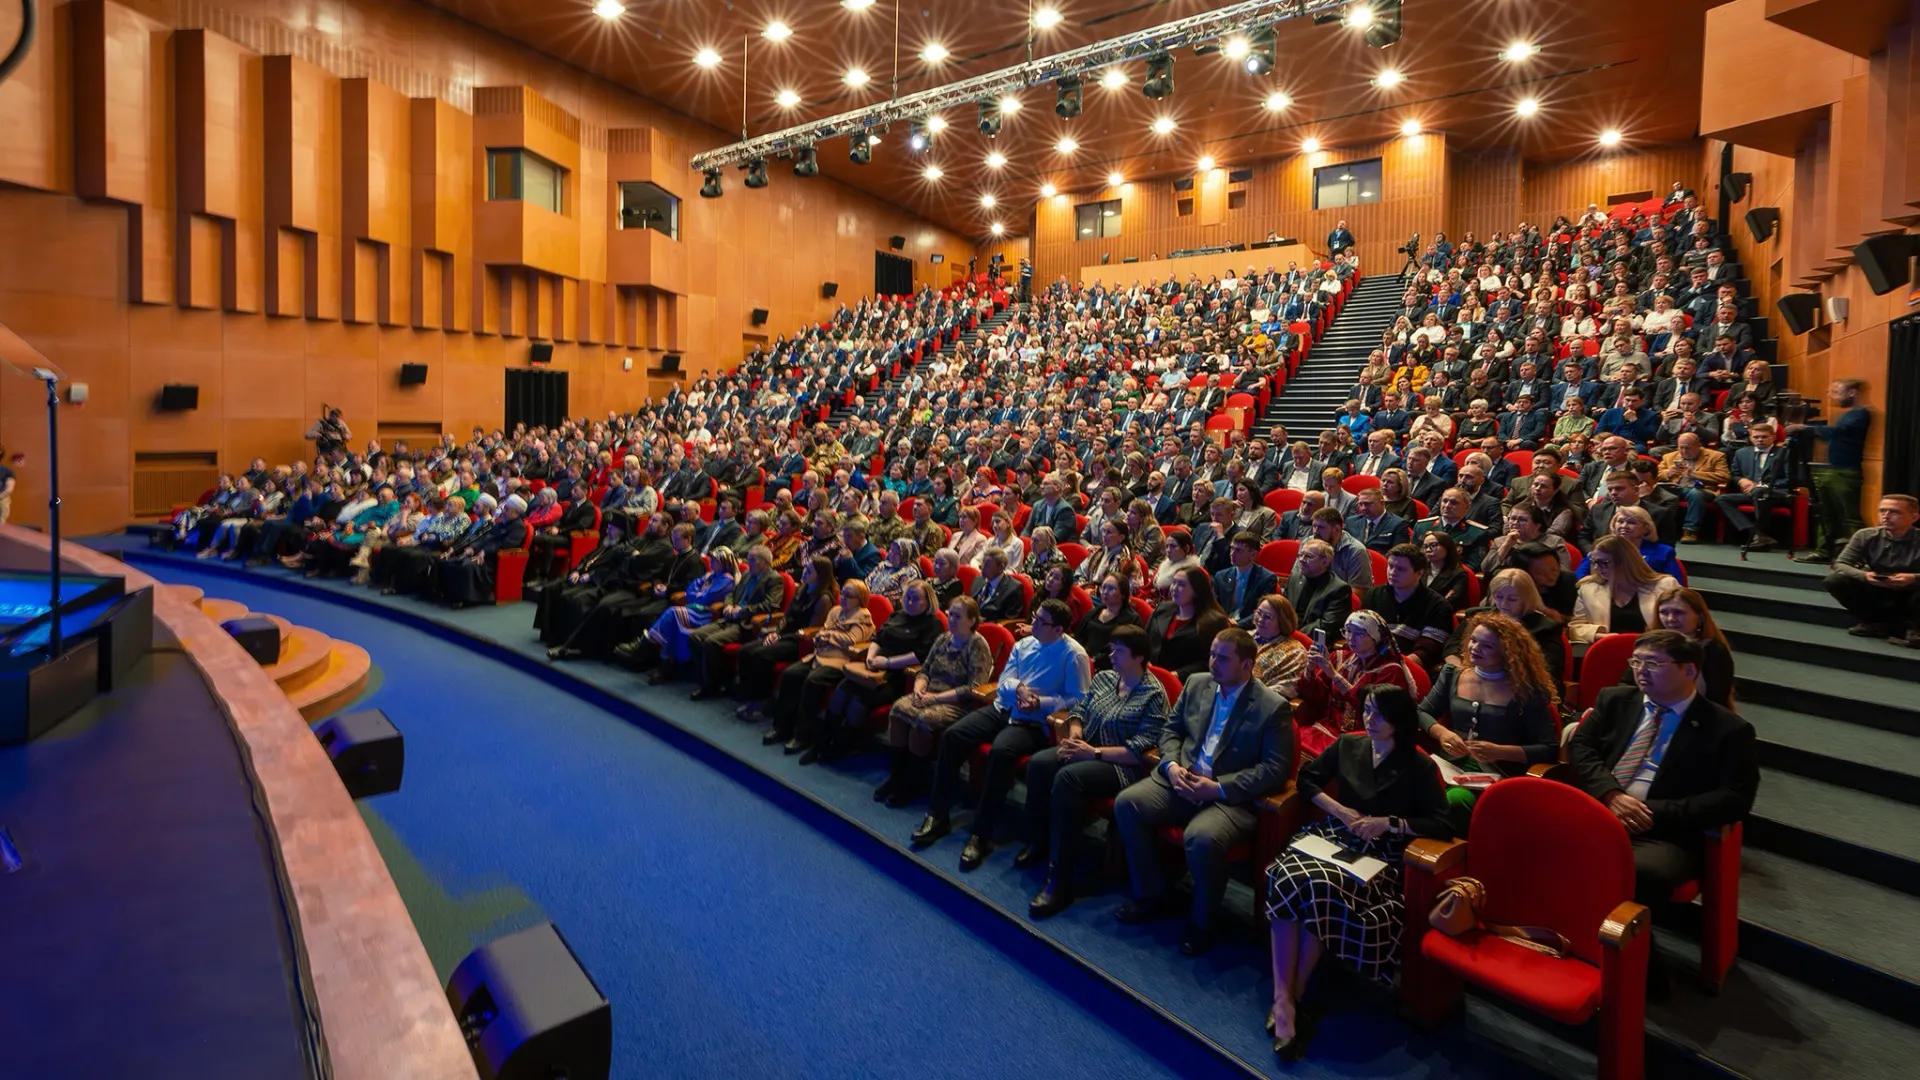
{"type": "Point", "coordinates": [1814, 688]}
{"type": "Point", "coordinates": [1767, 599]}
{"type": "Point", "coordinates": [1767, 568]}
{"type": "Point", "coordinates": [1847, 831]}
{"type": "Point", "coordinates": [1870, 759]}
{"type": "Point", "coordinates": [1791, 639]}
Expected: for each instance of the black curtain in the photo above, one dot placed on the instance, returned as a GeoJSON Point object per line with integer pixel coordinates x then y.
{"type": "Point", "coordinates": [892, 274]}
{"type": "Point", "coordinates": [1901, 413]}
{"type": "Point", "coordinates": [535, 398]}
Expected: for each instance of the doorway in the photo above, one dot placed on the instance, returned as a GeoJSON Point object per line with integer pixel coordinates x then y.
{"type": "Point", "coordinates": [535, 398]}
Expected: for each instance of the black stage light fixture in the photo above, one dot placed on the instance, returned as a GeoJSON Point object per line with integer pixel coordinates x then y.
{"type": "Point", "coordinates": [990, 118]}
{"type": "Point", "coordinates": [710, 187]}
{"type": "Point", "coordinates": [806, 162]}
{"type": "Point", "coordinates": [1261, 52]}
{"type": "Point", "coordinates": [918, 137]}
{"type": "Point", "coordinates": [1066, 98]}
{"type": "Point", "coordinates": [756, 173]}
{"type": "Point", "coordinates": [862, 151]}
{"type": "Point", "coordinates": [1385, 28]}
{"type": "Point", "coordinates": [1158, 84]}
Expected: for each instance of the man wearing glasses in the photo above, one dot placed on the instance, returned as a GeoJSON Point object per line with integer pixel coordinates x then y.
{"type": "Point", "coordinates": [1669, 763]}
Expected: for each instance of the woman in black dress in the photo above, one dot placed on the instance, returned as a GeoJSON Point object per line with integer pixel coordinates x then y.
{"type": "Point", "coordinates": [1685, 611]}
{"type": "Point", "coordinates": [1445, 575]}
{"type": "Point", "coordinates": [1495, 715]}
{"type": "Point", "coordinates": [1181, 631]}
{"type": "Point", "coordinates": [1115, 610]}
{"type": "Point", "coordinates": [1389, 793]}
{"type": "Point", "coordinates": [899, 644]}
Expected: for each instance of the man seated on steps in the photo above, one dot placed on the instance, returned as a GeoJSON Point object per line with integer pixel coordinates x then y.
{"type": "Point", "coordinates": [1877, 576]}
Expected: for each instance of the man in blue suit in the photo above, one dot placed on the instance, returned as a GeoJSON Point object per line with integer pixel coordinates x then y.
{"type": "Point", "coordinates": [1759, 482]}
{"type": "Point", "coordinates": [1054, 512]}
{"type": "Point", "coordinates": [1371, 524]}
{"type": "Point", "coordinates": [1631, 420]}
{"type": "Point", "coordinates": [1241, 585]}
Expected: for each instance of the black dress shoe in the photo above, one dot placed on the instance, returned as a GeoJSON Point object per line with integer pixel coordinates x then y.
{"type": "Point", "coordinates": [661, 674]}
{"type": "Point", "coordinates": [902, 794]}
{"type": "Point", "coordinates": [885, 789]}
{"type": "Point", "coordinates": [1055, 898]}
{"type": "Point", "coordinates": [705, 694]}
{"type": "Point", "coordinates": [810, 755]}
{"type": "Point", "coordinates": [1136, 912]}
{"type": "Point", "coordinates": [932, 828]}
{"type": "Point", "coordinates": [795, 746]}
{"type": "Point", "coordinates": [1030, 856]}
{"type": "Point", "coordinates": [974, 854]}
{"type": "Point", "coordinates": [774, 736]}
{"type": "Point", "coordinates": [1195, 940]}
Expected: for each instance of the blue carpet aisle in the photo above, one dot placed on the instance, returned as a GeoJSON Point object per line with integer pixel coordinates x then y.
{"type": "Point", "coordinates": [770, 941]}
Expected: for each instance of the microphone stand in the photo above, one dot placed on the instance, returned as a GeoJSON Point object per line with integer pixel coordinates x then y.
{"type": "Point", "coordinates": [53, 507]}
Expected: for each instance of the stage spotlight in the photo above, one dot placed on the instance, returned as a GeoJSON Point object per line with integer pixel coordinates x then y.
{"type": "Point", "coordinates": [806, 162]}
{"type": "Point", "coordinates": [1066, 97]}
{"type": "Point", "coordinates": [710, 187]}
{"type": "Point", "coordinates": [1261, 53]}
{"type": "Point", "coordinates": [918, 137]}
{"type": "Point", "coordinates": [756, 173]}
{"type": "Point", "coordinates": [1159, 81]}
{"type": "Point", "coordinates": [1114, 79]}
{"type": "Point", "coordinates": [862, 149]}
{"type": "Point", "coordinates": [1385, 28]}
{"type": "Point", "coordinates": [990, 118]}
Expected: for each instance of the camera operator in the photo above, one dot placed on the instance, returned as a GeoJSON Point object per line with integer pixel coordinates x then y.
{"type": "Point", "coordinates": [329, 433]}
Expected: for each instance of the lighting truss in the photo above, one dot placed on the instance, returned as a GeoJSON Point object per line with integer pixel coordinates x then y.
{"type": "Point", "coordinates": [1086, 60]}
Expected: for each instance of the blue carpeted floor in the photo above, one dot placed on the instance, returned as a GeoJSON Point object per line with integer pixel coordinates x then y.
{"type": "Point", "coordinates": [738, 925]}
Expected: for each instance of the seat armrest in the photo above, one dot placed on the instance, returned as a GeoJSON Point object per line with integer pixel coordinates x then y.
{"type": "Point", "coordinates": [1624, 924]}
{"type": "Point", "coordinates": [1437, 858]}
{"type": "Point", "coordinates": [1552, 770]}
{"type": "Point", "coordinates": [984, 691]}
{"type": "Point", "coordinates": [809, 632]}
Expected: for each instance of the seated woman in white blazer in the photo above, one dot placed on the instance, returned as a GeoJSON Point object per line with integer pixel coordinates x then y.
{"type": "Point", "coordinates": [1619, 595]}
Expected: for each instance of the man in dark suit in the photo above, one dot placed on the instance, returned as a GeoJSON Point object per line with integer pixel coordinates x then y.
{"type": "Point", "coordinates": [1379, 456]}
{"type": "Point", "coordinates": [1428, 485]}
{"type": "Point", "coordinates": [1371, 524]}
{"type": "Point", "coordinates": [756, 593]}
{"type": "Point", "coordinates": [1669, 763]}
{"type": "Point", "coordinates": [1759, 479]}
{"type": "Point", "coordinates": [1054, 512]}
{"type": "Point", "coordinates": [1000, 596]}
{"type": "Point", "coordinates": [1244, 582]}
{"type": "Point", "coordinates": [861, 556]}
{"type": "Point", "coordinates": [724, 532]}
{"type": "Point", "coordinates": [1229, 742]}
{"type": "Point", "coordinates": [1321, 598]}
{"type": "Point", "coordinates": [1339, 239]}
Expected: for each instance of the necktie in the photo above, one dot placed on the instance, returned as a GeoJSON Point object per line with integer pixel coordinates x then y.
{"type": "Point", "coordinates": [1762, 469]}
{"type": "Point", "coordinates": [1637, 750]}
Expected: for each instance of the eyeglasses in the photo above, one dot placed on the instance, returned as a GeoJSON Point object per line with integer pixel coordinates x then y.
{"type": "Point", "coordinates": [1648, 666]}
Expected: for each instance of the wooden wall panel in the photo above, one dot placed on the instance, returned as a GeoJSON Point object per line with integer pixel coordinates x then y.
{"type": "Point", "coordinates": [1485, 194]}
{"type": "Point", "coordinates": [36, 105]}
{"type": "Point", "coordinates": [1765, 105]}
{"type": "Point", "coordinates": [1568, 187]}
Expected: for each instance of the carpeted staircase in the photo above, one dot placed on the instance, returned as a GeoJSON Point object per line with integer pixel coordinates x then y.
{"type": "Point", "coordinates": [1319, 389]}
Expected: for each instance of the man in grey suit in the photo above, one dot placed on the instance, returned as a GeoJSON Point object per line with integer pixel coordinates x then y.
{"type": "Point", "coordinates": [1228, 743]}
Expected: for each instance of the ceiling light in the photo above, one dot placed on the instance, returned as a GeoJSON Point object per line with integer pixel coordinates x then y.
{"type": "Point", "coordinates": [934, 53]}
{"type": "Point", "coordinates": [1106, 213]}
{"type": "Point", "coordinates": [917, 136]}
{"type": "Point", "coordinates": [1366, 194]}
{"type": "Point", "coordinates": [1262, 53]}
{"type": "Point", "coordinates": [777, 31]}
{"type": "Point", "coordinates": [989, 119]}
{"type": "Point", "coordinates": [1236, 48]}
{"type": "Point", "coordinates": [855, 77]}
{"type": "Point", "coordinates": [988, 201]}
{"type": "Point", "coordinates": [1346, 176]}
{"type": "Point", "coordinates": [996, 159]}
{"type": "Point", "coordinates": [1114, 79]}
{"type": "Point", "coordinates": [1047, 18]}
{"type": "Point", "coordinates": [1610, 137]}
{"type": "Point", "coordinates": [609, 9]}
{"type": "Point", "coordinates": [1310, 146]}
{"type": "Point", "coordinates": [1048, 191]}
{"type": "Point", "coordinates": [1527, 106]}
{"type": "Point", "coordinates": [1206, 164]}
{"type": "Point", "coordinates": [856, 5]}
{"type": "Point", "coordinates": [936, 124]}
{"type": "Point", "coordinates": [1114, 179]}
{"type": "Point", "coordinates": [874, 139]}
{"type": "Point", "coordinates": [1277, 101]}
{"type": "Point", "coordinates": [707, 58]}
{"type": "Point", "coordinates": [860, 150]}
{"type": "Point", "coordinates": [1388, 79]}
{"type": "Point", "coordinates": [1359, 16]}
{"type": "Point", "coordinates": [806, 162]}
{"type": "Point", "coordinates": [1159, 81]}
{"type": "Point", "coordinates": [933, 172]}
{"type": "Point", "coordinates": [998, 229]}
{"type": "Point", "coordinates": [1066, 146]}
{"type": "Point", "coordinates": [786, 99]}
{"type": "Point", "coordinates": [1410, 127]}
{"type": "Point", "coordinates": [1009, 105]}
{"type": "Point", "coordinates": [1520, 50]}
{"type": "Point", "coordinates": [1085, 231]}
{"type": "Point", "coordinates": [1163, 125]}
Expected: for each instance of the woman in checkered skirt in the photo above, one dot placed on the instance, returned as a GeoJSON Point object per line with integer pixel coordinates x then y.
{"type": "Point", "coordinates": [1388, 793]}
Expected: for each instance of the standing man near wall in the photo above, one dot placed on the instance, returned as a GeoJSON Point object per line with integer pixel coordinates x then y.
{"type": "Point", "coordinates": [1837, 487]}
{"type": "Point", "coordinates": [1026, 281]}
{"type": "Point", "coordinates": [1340, 239]}
{"type": "Point", "coordinates": [329, 432]}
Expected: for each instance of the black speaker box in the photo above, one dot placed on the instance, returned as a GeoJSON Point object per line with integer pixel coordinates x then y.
{"type": "Point", "coordinates": [530, 1011]}
{"type": "Point", "coordinates": [759, 316]}
{"type": "Point", "coordinates": [415, 374]}
{"type": "Point", "coordinates": [1798, 310]}
{"type": "Point", "coordinates": [179, 396]}
{"type": "Point", "coordinates": [896, 242]}
{"type": "Point", "coordinates": [258, 635]}
{"type": "Point", "coordinates": [367, 751]}
{"type": "Point", "coordinates": [1239, 176]}
{"type": "Point", "coordinates": [829, 290]}
{"type": "Point", "coordinates": [1185, 183]}
{"type": "Point", "coordinates": [540, 352]}
{"type": "Point", "coordinates": [670, 362]}
{"type": "Point", "coordinates": [1761, 221]}
{"type": "Point", "coordinates": [1887, 261]}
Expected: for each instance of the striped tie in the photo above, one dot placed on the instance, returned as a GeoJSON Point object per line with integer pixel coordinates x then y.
{"type": "Point", "coordinates": [1637, 750]}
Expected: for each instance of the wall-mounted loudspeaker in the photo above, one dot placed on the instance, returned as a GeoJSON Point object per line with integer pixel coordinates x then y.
{"type": "Point", "coordinates": [670, 362]}
{"type": "Point", "coordinates": [1736, 184]}
{"type": "Point", "coordinates": [1185, 183]}
{"type": "Point", "coordinates": [540, 352]}
{"type": "Point", "coordinates": [175, 397]}
{"type": "Point", "coordinates": [829, 290]}
{"type": "Point", "coordinates": [413, 374]}
{"type": "Point", "coordinates": [896, 242]}
{"type": "Point", "coordinates": [1837, 308]}
{"type": "Point", "coordinates": [1761, 221]}
{"type": "Point", "coordinates": [1239, 176]}
{"type": "Point", "coordinates": [1797, 310]}
{"type": "Point", "coordinates": [938, 258]}
{"type": "Point", "coordinates": [1887, 261]}
{"type": "Point", "coordinates": [759, 316]}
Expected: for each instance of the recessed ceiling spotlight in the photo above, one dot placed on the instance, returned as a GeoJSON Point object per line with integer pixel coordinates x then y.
{"type": "Point", "coordinates": [856, 5]}
{"type": "Point", "coordinates": [1527, 106]}
{"type": "Point", "coordinates": [1048, 191]}
{"type": "Point", "coordinates": [1114, 79]}
{"type": "Point", "coordinates": [609, 9]}
{"type": "Point", "coordinates": [1359, 16]}
{"type": "Point", "coordinates": [933, 172]}
{"type": "Point", "coordinates": [777, 31]}
{"type": "Point", "coordinates": [855, 77]}
{"type": "Point", "coordinates": [1388, 79]}
{"type": "Point", "coordinates": [1164, 125]}
{"type": "Point", "coordinates": [1236, 48]}
{"type": "Point", "coordinates": [934, 53]}
{"type": "Point", "coordinates": [988, 201]}
{"type": "Point", "coordinates": [1047, 18]}
{"type": "Point", "coordinates": [998, 229]}
{"type": "Point", "coordinates": [1206, 164]}
{"type": "Point", "coordinates": [1114, 179]}
{"type": "Point", "coordinates": [874, 139]}
{"type": "Point", "coordinates": [1277, 101]}
{"type": "Point", "coordinates": [707, 58]}
{"type": "Point", "coordinates": [1520, 50]}
{"type": "Point", "coordinates": [936, 124]}
{"type": "Point", "coordinates": [1610, 137]}
{"type": "Point", "coordinates": [1410, 127]}
{"type": "Point", "coordinates": [1009, 105]}
{"type": "Point", "coordinates": [786, 99]}
{"type": "Point", "coordinates": [1066, 145]}
{"type": "Point", "coordinates": [996, 159]}
{"type": "Point", "coordinates": [1310, 146]}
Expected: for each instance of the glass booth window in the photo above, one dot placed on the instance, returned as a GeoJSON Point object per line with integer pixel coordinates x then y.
{"type": "Point", "coordinates": [1350, 184]}
{"type": "Point", "coordinates": [648, 206]}
{"type": "Point", "coordinates": [514, 174]}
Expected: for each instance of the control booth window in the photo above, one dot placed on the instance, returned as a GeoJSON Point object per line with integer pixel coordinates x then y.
{"type": "Point", "coordinates": [1350, 184]}
{"type": "Point", "coordinates": [1097, 219]}
{"type": "Point", "coordinates": [515, 174]}
{"type": "Point", "coordinates": [649, 206]}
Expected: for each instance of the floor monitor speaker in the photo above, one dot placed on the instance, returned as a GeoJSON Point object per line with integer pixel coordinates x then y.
{"type": "Point", "coordinates": [367, 751]}
{"type": "Point", "coordinates": [530, 1011]}
{"type": "Point", "coordinates": [257, 634]}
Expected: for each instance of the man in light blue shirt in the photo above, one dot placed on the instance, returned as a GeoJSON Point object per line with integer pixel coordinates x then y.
{"type": "Point", "coordinates": [1047, 672]}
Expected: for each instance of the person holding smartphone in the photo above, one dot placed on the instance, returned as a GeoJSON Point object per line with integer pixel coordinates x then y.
{"type": "Point", "coordinates": [1877, 576]}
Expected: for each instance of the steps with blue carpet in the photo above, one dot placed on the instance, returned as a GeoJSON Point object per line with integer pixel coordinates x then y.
{"type": "Point", "coordinates": [1308, 402]}
{"type": "Point", "coordinates": [1871, 759]}
{"type": "Point", "coordinates": [1854, 832]}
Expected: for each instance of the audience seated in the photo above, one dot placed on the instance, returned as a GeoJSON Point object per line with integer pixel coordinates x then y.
{"type": "Point", "coordinates": [956, 670]}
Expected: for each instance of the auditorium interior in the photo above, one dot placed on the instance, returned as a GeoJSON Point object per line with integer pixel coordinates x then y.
{"type": "Point", "coordinates": [1190, 538]}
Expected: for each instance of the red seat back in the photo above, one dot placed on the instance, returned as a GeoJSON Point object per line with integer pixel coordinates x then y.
{"type": "Point", "coordinates": [880, 608]}
{"type": "Point", "coordinates": [1000, 640]}
{"type": "Point", "coordinates": [1168, 681]}
{"type": "Point", "coordinates": [1075, 554]}
{"type": "Point", "coordinates": [1550, 855]}
{"type": "Point", "coordinates": [1359, 482]}
{"type": "Point", "coordinates": [1279, 556]}
{"type": "Point", "coordinates": [1606, 659]}
{"type": "Point", "coordinates": [1282, 500]}
{"type": "Point", "coordinates": [966, 574]}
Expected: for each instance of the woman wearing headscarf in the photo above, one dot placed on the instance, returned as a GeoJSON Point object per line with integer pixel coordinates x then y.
{"type": "Point", "coordinates": [1335, 680]}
